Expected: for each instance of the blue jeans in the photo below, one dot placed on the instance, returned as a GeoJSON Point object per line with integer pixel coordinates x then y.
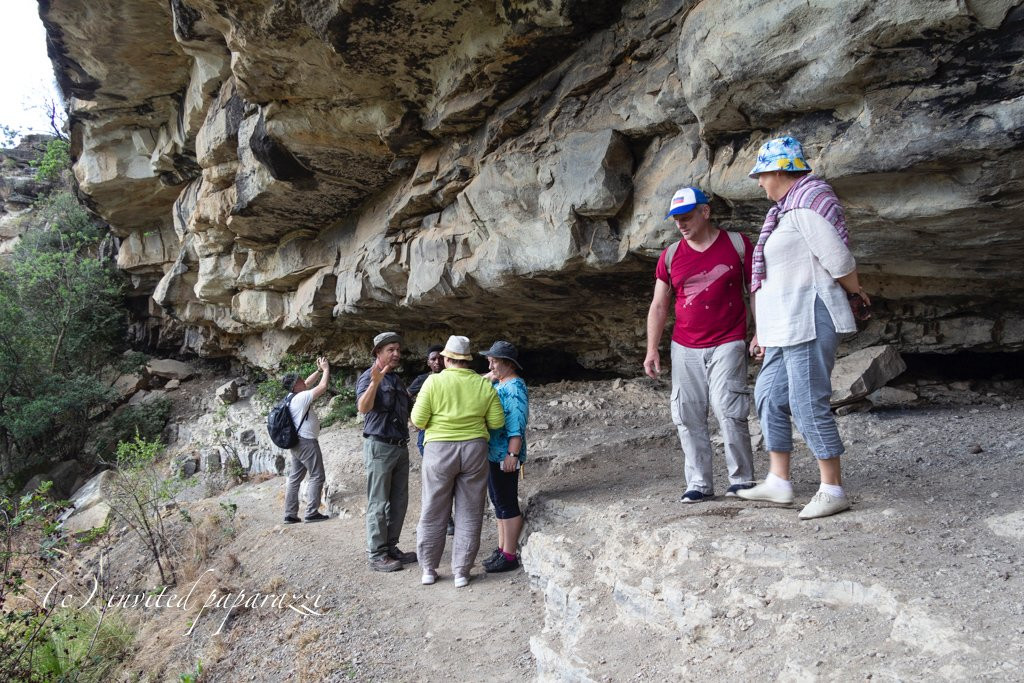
{"type": "Point", "coordinates": [796, 380]}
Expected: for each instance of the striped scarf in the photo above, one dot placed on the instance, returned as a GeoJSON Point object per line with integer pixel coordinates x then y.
{"type": "Point", "coordinates": [810, 192]}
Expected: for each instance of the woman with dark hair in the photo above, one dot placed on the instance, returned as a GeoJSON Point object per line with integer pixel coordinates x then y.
{"type": "Point", "coordinates": [804, 281]}
{"type": "Point", "coordinates": [507, 453]}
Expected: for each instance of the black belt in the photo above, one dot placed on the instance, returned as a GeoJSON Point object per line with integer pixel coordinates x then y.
{"type": "Point", "coordinates": [384, 439]}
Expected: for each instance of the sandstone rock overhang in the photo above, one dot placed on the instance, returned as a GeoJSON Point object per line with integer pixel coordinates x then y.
{"type": "Point", "coordinates": [293, 175]}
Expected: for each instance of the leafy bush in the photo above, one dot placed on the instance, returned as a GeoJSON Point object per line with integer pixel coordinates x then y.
{"type": "Point", "coordinates": [28, 546]}
{"type": "Point", "coordinates": [147, 420]}
{"type": "Point", "coordinates": [56, 159]}
{"type": "Point", "coordinates": [137, 497]}
{"type": "Point", "coordinates": [342, 407]}
{"type": "Point", "coordinates": [270, 390]}
{"type": "Point", "coordinates": [81, 645]}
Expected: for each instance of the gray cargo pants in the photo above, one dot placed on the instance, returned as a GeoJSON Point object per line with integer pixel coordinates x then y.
{"type": "Point", "coordinates": [306, 457]}
{"type": "Point", "coordinates": [718, 374]}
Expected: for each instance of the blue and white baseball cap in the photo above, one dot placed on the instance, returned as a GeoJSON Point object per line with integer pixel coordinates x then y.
{"type": "Point", "coordinates": [684, 200]}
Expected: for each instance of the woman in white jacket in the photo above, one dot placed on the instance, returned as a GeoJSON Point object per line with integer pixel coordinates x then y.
{"type": "Point", "coordinates": [804, 277]}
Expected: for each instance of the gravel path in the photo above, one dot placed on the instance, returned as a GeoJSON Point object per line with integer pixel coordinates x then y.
{"type": "Point", "coordinates": [923, 579]}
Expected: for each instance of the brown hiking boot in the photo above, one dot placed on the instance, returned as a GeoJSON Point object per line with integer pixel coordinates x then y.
{"type": "Point", "coordinates": [383, 563]}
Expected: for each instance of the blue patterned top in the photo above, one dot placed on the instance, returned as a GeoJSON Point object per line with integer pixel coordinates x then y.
{"type": "Point", "coordinates": [516, 403]}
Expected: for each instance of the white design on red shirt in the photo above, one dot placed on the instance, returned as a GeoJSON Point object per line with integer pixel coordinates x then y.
{"type": "Point", "coordinates": [700, 282]}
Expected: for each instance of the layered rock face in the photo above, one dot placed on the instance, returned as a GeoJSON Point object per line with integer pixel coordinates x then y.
{"type": "Point", "coordinates": [297, 175]}
{"type": "Point", "coordinates": [19, 188]}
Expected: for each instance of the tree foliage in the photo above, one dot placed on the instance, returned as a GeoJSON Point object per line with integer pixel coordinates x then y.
{"type": "Point", "coordinates": [61, 320]}
{"type": "Point", "coordinates": [8, 136]}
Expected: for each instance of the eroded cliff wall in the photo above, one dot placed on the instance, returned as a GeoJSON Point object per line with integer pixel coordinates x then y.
{"type": "Point", "coordinates": [296, 175]}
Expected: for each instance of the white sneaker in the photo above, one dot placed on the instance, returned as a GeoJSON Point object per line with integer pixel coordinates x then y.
{"type": "Point", "coordinates": [461, 581]}
{"type": "Point", "coordinates": [428, 578]}
{"type": "Point", "coordinates": [769, 494]}
{"type": "Point", "coordinates": [823, 505]}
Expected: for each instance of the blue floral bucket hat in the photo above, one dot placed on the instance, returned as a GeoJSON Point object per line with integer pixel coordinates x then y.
{"type": "Point", "coordinates": [780, 154]}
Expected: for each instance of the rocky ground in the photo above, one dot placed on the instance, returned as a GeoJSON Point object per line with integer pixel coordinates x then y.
{"type": "Point", "coordinates": [923, 579]}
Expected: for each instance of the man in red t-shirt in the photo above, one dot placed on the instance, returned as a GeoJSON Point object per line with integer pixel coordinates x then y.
{"type": "Point", "coordinates": [708, 273]}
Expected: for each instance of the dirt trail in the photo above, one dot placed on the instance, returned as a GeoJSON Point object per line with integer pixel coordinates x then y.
{"type": "Point", "coordinates": [376, 626]}
{"type": "Point", "coordinates": [924, 578]}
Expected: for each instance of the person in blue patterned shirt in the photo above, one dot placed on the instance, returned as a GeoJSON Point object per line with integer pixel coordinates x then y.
{"type": "Point", "coordinates": [506, 454]}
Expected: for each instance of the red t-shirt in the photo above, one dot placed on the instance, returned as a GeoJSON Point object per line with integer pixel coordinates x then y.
{"type": "Point", "coordinates": [709, 292]}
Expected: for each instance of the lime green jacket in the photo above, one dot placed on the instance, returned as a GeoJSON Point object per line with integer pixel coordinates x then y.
{"type": "Point", "coordinates": [457, 404]}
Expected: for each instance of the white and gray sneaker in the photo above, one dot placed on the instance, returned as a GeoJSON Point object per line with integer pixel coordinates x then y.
{"type": "Point", "coordinates": [823, 505]}
{"type": "Point", "coordinates": [767, 493]}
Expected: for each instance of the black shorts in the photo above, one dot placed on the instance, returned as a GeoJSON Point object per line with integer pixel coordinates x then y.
{"type": "Point", "coordinates": [503, 488]}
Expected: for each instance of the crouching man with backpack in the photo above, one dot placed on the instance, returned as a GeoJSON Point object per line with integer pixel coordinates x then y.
{"type": "Point", "coordinates": [306, 455]}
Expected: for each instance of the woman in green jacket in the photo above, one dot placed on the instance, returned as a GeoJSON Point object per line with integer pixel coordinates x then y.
{"type": "Point", "coordinates": [456, 407]}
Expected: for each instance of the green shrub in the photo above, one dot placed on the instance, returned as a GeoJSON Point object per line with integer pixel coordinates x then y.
{"type": "Point", "coordinates": [40, 641]}
{"type": "Point", "coordinates": [193, 676]}
{"type": "Point", "coordinates": [147, 419]}
{"type": "Point", "coordinates": [270, 391]}
{"type": "Point", "coordinates": [138, 494]}
{"type": "Point", "coordinates": [56, 159]}
{"type": "Point", "coordinates": [81, 645]}
{"type": "Point", "coordinates": [92, 535]}
{"type": "Point", "coordinates": [343, 407]}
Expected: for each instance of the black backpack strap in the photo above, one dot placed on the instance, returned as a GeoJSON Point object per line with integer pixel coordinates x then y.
{"type": "Point", "coordinates": [304, 415]}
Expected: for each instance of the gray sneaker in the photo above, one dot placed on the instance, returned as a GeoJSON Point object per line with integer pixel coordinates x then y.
{"type": "Point", "coordinates": [383, 563]}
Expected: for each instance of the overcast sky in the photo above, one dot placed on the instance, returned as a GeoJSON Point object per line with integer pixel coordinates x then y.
{"type": "Point", "coordinates": [26, 75]}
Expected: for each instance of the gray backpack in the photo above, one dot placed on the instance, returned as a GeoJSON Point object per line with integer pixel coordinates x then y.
{"type": "Point", "coordinates": [737, 244]}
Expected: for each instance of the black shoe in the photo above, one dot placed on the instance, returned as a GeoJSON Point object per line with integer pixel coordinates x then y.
{"type": "Point", "coordinates": [502, 564]}
{"type": "Point", "coordinates": [316, 517]}
{"type": "Point", "coordinates": [291, 520]}
{"type": "Point", "coordinates": [451, 528]}
{"type": "Point", "coordinates": [491, 558]}
{"type": "Point", "coordinates": [384, 563]}
{"type": "Point", "coordinates": [731, 491]}
{"type": "Point", "coordinates": [695, 496]}
{"type": "Point", "coordinates": [405, 558]}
